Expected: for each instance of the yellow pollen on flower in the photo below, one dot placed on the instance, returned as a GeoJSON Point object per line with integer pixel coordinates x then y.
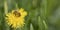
{"type": "Point", "coordinates": [16, 18]}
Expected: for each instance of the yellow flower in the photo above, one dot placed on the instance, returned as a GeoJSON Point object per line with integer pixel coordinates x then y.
{"type": "Point", "coordinates": [16, 18]}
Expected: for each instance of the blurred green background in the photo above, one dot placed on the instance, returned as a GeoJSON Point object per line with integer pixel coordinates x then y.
{"type": "Point", "coordinates": [42, 14]}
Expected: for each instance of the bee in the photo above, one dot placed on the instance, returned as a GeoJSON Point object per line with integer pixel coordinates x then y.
{"type": "Point", "coordinates": [16, 13]}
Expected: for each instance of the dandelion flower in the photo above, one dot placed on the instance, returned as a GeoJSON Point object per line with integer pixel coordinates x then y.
{"type": "Point", "coordinates": [15, 18]}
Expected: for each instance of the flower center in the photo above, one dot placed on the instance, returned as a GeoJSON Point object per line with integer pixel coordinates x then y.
{"type": "Point", "coordinates": [16, 13]}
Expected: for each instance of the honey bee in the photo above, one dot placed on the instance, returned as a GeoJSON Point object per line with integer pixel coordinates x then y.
{"type": "Point", "coordinates": [16, 13]}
